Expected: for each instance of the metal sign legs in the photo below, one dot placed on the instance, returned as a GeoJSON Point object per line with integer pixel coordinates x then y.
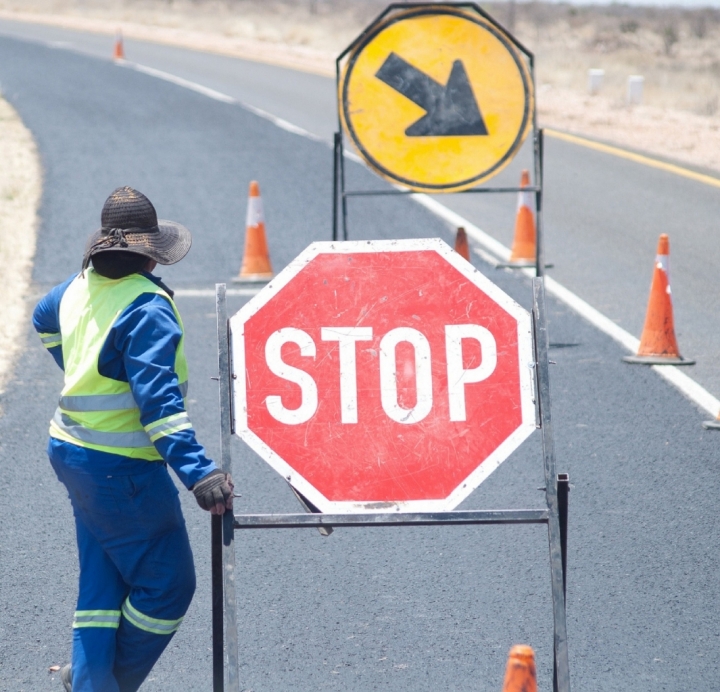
{"type": "Point", "coordinates": [224, 605]}
{"type": "Point", "coordinates": [341, 194]}
{"type": "Point", "coordinates": [554, 514]}
{"type": "Point", "coordinates": [558, 550]}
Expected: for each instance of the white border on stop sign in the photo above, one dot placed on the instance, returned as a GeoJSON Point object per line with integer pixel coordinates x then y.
{"type": "Point", "coordinates": [464, 489]}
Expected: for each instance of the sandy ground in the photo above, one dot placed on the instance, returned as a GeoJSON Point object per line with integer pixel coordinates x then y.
{"type": "Point", "coordinates": [20, 182]}
{"type": "Point", "coordinates": [664, 132]}
{"type": "Point", "coordinates": [679, 118]}
{"type": "Point", "coordinates": [276, 53]}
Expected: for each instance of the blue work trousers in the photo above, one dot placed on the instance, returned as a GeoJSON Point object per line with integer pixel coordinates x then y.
{"type": "Point", "coordinates": [137, 576]}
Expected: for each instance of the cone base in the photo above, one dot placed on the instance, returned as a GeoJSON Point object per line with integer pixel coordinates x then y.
{"type": "Point", "coordinates": [658, 360]}
{"type": "Point", "coordinates": [253, 278]}
{"type": "Point", "coordinates": [711, 425]}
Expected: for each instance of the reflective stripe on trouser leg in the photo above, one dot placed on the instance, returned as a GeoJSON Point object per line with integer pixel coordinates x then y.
{"type": "Point", "coordinates": [145, 622]}
{"type": "Point", "coordinates": [97, 618]}
{"type": "Point", "coordinates": [140, 642]}
{"type": "Point", "coordinates": [136, 654]}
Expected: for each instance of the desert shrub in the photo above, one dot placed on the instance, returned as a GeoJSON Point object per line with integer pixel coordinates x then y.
{"type": "Point", "coordinates": [698, 25]}
{"type": "Point", "coordinates": [670, 37]}
{"type": "Point", "coordinates": [629, 26]}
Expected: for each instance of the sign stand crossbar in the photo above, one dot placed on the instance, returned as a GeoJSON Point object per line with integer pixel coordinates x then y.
{"type": "Point", "coordinates": [554, 515]}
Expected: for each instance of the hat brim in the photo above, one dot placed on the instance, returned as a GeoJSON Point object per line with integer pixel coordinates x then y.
{"type": "Point", "coordinates": [166, 245]}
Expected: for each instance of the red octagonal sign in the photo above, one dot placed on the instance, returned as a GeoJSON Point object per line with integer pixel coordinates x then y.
{"type": "Point", "coordinates": [383, 375]}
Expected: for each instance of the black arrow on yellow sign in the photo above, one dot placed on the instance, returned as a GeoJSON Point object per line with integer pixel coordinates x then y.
{"type": "Point", "coordinates": [451, 109]}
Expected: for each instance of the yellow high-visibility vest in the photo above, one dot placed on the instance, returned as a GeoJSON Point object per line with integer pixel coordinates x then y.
{"type": "Point", "coordinates": [95, 411]}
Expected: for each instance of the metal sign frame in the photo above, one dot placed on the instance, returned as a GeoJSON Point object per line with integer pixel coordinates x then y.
{"type": "Point", "coordinates": [341, 194]}
{"type": "Point", "coordinates": [554, 514]}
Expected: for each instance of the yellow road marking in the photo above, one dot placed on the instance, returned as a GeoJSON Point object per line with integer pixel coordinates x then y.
{"type": "Point", "coordinates": [637, 158]}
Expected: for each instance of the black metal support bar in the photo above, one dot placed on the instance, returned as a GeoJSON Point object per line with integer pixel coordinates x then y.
{"type": "Point", "coordinates": [472, 191]}
{"type": "Point", "coordinates": [539, 230]}
{"type": "Point", "coordinates": [563, 489]}
{"type": "Point", "coordinates": [231, 677]}
{"type": "Point", "coordinates": [337, 153]}
{"type": "Point", "coordinates": [343, 197]}
{"type": "Point", "coordinates": [217, 603]}
{"type": "Point", "coordinates": [541, 342]}
{"type": "Point", "coordinates": [298, 521]}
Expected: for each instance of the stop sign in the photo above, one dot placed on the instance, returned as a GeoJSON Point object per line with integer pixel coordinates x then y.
{"type": "Point", "coordinates": [382, 375]}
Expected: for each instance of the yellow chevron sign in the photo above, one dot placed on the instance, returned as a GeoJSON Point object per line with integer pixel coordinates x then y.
{"type": "Point", "coordinates": [436, 98]}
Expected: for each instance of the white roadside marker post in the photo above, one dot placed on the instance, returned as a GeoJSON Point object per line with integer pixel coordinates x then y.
{"type": "Point", "coordinates": [595, 81]}
{"type": "Point", "coordinates": [635, 84]}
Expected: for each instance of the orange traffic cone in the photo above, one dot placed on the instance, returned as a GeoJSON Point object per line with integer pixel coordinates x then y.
{"type": "Point", "coordinates": [256, 260]}
{"type": "Point", "coordinates": [520, 672]}
{"type": "Point", "coordinates": [658, 345]}
{"type": "Point", "coordinates": [523, 248]}
{"type": "Point", "coordinates": [461, 244]}
{"type": "Point", "coordinates": [119, 52]}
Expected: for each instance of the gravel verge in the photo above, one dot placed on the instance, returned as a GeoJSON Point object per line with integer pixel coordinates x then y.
{"type": "Point", "coordinates": [20, 185]}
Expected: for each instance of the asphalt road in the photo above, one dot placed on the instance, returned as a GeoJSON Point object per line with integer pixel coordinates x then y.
{"type": "Point", "coordinates": [387, 609]}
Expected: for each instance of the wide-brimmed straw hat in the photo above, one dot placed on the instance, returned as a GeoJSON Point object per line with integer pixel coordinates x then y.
{"type": "Point", "coordinates": [130, 223]}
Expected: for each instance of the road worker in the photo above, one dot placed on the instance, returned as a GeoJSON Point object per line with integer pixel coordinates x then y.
{"type": "Point", "coordinates": [121, 420]}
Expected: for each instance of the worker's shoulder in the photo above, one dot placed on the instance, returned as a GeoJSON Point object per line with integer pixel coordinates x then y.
{"type": "Point", "coordinates": [149, 307]}
{"type": "Point", "coordinates": [46, 315]}
{"type": "Point", "coordinates": [153, 301]}
{"type": "Point", "coordinates": [55, 294]}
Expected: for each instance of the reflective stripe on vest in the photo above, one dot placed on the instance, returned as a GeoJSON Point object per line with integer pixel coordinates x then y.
{"type": "Point", "coordinates": [96, 411]}
{"type": "Point", "coordinates": [138, 439]}
{"type": "Point", "coordinates": [105, 402]}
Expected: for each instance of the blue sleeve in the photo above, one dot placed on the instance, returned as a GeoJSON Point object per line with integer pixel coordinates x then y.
{"type": "Point", "coordinates": [140, 350]}
{"type": "Point", "coordinates": [46, 320]}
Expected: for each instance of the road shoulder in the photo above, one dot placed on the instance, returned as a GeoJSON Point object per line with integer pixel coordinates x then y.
{"type": "Point", "coordinates": [20, 187]}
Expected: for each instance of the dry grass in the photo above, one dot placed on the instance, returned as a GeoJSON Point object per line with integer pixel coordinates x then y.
{"type": "Point", "coordinates": [20, 178]}
{"type": "Point", "coordinates": [677, 51]}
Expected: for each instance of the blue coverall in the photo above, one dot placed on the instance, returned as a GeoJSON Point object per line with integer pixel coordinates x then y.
{"type": "Point", "coordinates": [137, 576]}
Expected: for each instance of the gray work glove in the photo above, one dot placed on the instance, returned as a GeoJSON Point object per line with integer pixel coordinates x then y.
{"type": "Point", "coordinates": [214, 492]}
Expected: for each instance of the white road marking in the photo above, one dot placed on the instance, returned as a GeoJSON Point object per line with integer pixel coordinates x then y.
{"type": "Point", "coordinates": [691, 389]}
{"type": "Point", "coordinates": [218, 96]}
{"type": "Point", "coordinates": [193, 86]}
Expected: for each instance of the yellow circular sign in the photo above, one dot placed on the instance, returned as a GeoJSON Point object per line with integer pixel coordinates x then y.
{"type": "Point", "coordinates": [436, 99]}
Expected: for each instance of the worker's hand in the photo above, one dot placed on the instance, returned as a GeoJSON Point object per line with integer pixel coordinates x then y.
{"type": "Point", "coordinates": [215, 492]}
